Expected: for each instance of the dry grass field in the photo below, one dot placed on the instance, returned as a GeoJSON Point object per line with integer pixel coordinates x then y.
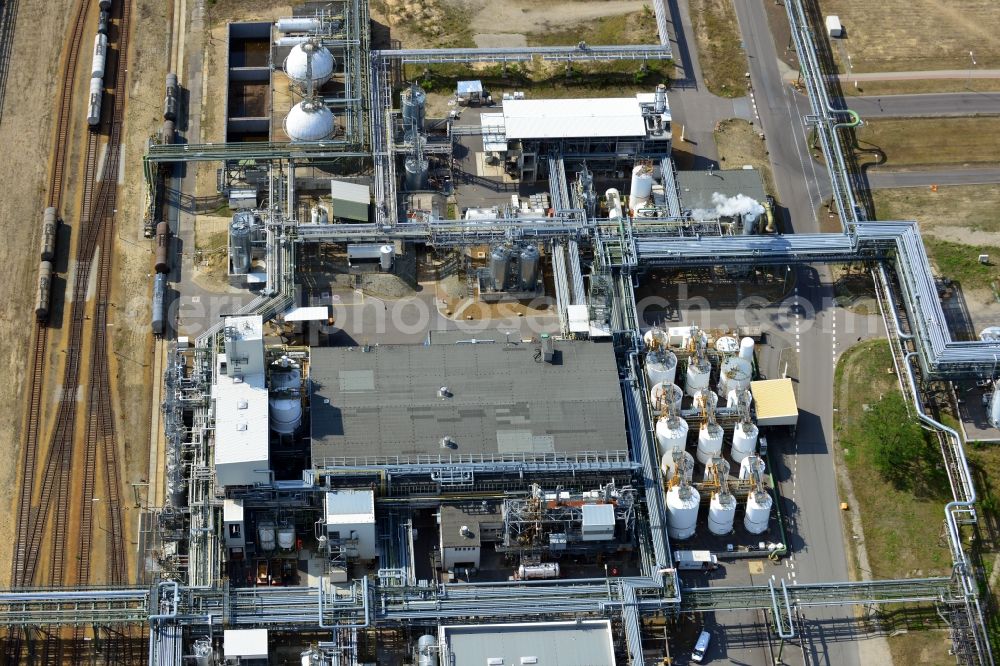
{"type": "Point", "coordinates": [925, 142]}
{"type": "Point", "coordinates": [914, 35]}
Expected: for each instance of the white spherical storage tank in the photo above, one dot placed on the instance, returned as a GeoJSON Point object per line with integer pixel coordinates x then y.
{"type": "Point", "coordinates": [309, 120]}
{"type": "Point", "coordinates": [746, 349]}
{"type": "Point", "coordinates": [661, 366]}
{"type": "Point", "coordinates": [306, 56]}
{"type": "Point", "coordinates": [682, 511]}
{"type": "Point", "coordinates": [698, 372]}
{"type": "Point", "coordinates": [671, 434]}
{"type": "Point", "coordinates": [664, 397]}
{"type": "Point", "coordinates": [744, 441]}
{"type": "Point", "coordinates": [735, 375]}
{"type": "Point", "coordinates": [709, 442]}
{"type": "Point", "coordinates": [721, 513]}
{"type": "Point", "coordinates": [758, 512]}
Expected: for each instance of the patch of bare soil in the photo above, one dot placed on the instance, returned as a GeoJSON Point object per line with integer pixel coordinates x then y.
{"type": "Point", "coordinates": [26, 137]}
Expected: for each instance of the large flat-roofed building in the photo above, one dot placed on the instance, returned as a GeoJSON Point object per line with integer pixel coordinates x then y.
{"type": "Point", "coordinates": [241, 409]}
{"type": "Point", "coordinates": [698, 188]}
{"type": "Point", "coordinates": [411, 403]}
{"type": "Point", "coordinates": [577, 643]}
{"type": "Point", "coordinates": [609, 132]}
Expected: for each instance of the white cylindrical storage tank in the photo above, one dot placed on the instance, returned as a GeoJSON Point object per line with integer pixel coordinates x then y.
{"type": "Point", "coordinates": [543, 571]}
{"type": "Point", "coordinates": [309, 120]}
{"type": "Point", "coordinates": [655, 338]}
{"type": "Point", "coordinates": [747, 466]}
{"type": "Point", "coordinates": [671, 434]}
{"type": "Point", "coordinates": [203, 652]}
{"type": "Point", "coordinates": [666, 397]}
{"type": "Point", "coordinates": [746, 349]}
{"type": "Point", "coordinates": [995, 407]}
{"type": "Point", "coordinates": [736, 398]}
{"type": "Point", "coordinates": [706, 400]}
{"type": "Point", "coordinates": [416, 173]}
{"type": "Point", "coordinates": [291, 40]}
{"type": "Point", "coordinates": [427, 652]}
{"type": "Point", "coordinates": [721, 514]}
{"type": "Point", "coordinates": [758, 512]}
{"type": "Point", "coordinates": [735, 375]}
{"type": "Point", "coordinates": [698, 372]}
{"type": "Point", "coordinates": [413, 102]}
{"type": "Point", "coordinates": [744, 441]}
{"type": "Point", "coordinates": [100, 54]}
{"type": "Point", "coordinates": [309, 56]}
{"type": "Point", "coordinates": [677, 461]}
{"type": "Point", "coordinates": [286, 415]}
{"type": "Point", "coordinates": [642, 182]}
{"type": "Point", "coordinates": [299, 24]}
{"type": "Point", "coordinates": [285, 402]}
{"type": "Point", "coordinates": [286, 538]}
{"type": "Point", "coordinates": [265, 536]}
{"type": "Point", "coordinates": [727, 345]}
{"type": "Point", "coordinates": [661, 366]}
{"type": "Point", "coordinates": [682, 511]}
{"type": "Point", "coordinates": [318, 215]}
{"type": "Point", "coordinates": [709, 442]}
{"type": "Point", "coordinates": [386, 253]}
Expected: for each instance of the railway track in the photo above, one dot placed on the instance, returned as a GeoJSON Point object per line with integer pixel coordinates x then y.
{"type": "Point", "coordinates": [26, 517]}
{"type": "Point", "coordinates": [94, 253]}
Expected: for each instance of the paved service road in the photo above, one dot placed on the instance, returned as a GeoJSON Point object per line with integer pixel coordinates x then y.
{"type": "Point", "coordinates": [796, 174]}
{"type": "Point", "coordinates": [939, 104]}
{"type": "Point", "coordinates": [695, 110]}
{"type": "Point", "coordinates": [879, 179]}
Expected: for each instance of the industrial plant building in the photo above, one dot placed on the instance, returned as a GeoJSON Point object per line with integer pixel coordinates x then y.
{"type": "Point", "coordinates": [460, 491]}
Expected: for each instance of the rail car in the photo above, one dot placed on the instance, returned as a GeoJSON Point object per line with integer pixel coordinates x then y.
{"type": "Point", "coordinates": [50, 231]}
{"type": "Point", "coordinates": [105, 5]}
{"type": "Point", "coordinates": [94, 107]}
{"type": "Point", "coordinates": [103, 20]}
{"type": "Point", "coordinates": [162, 264]}
{"type": "Point", "coordinates": [171, 99]}
{"type": "Point", "coordinates": [43, 294]}
{"type": "Point", "coordinates": [168, 131]}
{"type": "Point", "coordinates": [159, 303]}
{"type": "Point", "coordinates": [100, 56]}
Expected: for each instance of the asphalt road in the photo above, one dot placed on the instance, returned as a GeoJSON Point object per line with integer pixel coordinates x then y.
{"type": "Point", "coordinates": [940, 104]}
{"type": "Point", "coordinates": [796, 174]}
{"type": "Point", "coordinates": [695, 110]}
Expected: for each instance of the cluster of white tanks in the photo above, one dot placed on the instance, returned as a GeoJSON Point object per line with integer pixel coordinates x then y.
{"type": "Point", "coordinates": [677, 464]}
{"type": "Point", "coordinates": [684, 500]}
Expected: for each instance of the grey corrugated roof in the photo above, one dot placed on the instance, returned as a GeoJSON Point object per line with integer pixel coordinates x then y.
{"type": "Point", "coordinates": [385, 402]}
{"type": "Point", "coordinates": [696, 187]}
{"type": "Point", "coordinates": [583, 643]}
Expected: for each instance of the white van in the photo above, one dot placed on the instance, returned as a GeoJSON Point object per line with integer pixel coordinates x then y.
{"type": "Point", "coordinates": [701, 647]}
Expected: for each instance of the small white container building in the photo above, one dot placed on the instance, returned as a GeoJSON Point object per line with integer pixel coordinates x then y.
{"type": "Point", "coordinates": [245, 646]}
{"type": "Point", "coordinates": [834, 27]}
{"type": "Point", "coordinates": [598, 522]}
{"type": "Point", "coordinates": [350, 520]}
{"type": "Point", "coordinates": [241, 414]}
